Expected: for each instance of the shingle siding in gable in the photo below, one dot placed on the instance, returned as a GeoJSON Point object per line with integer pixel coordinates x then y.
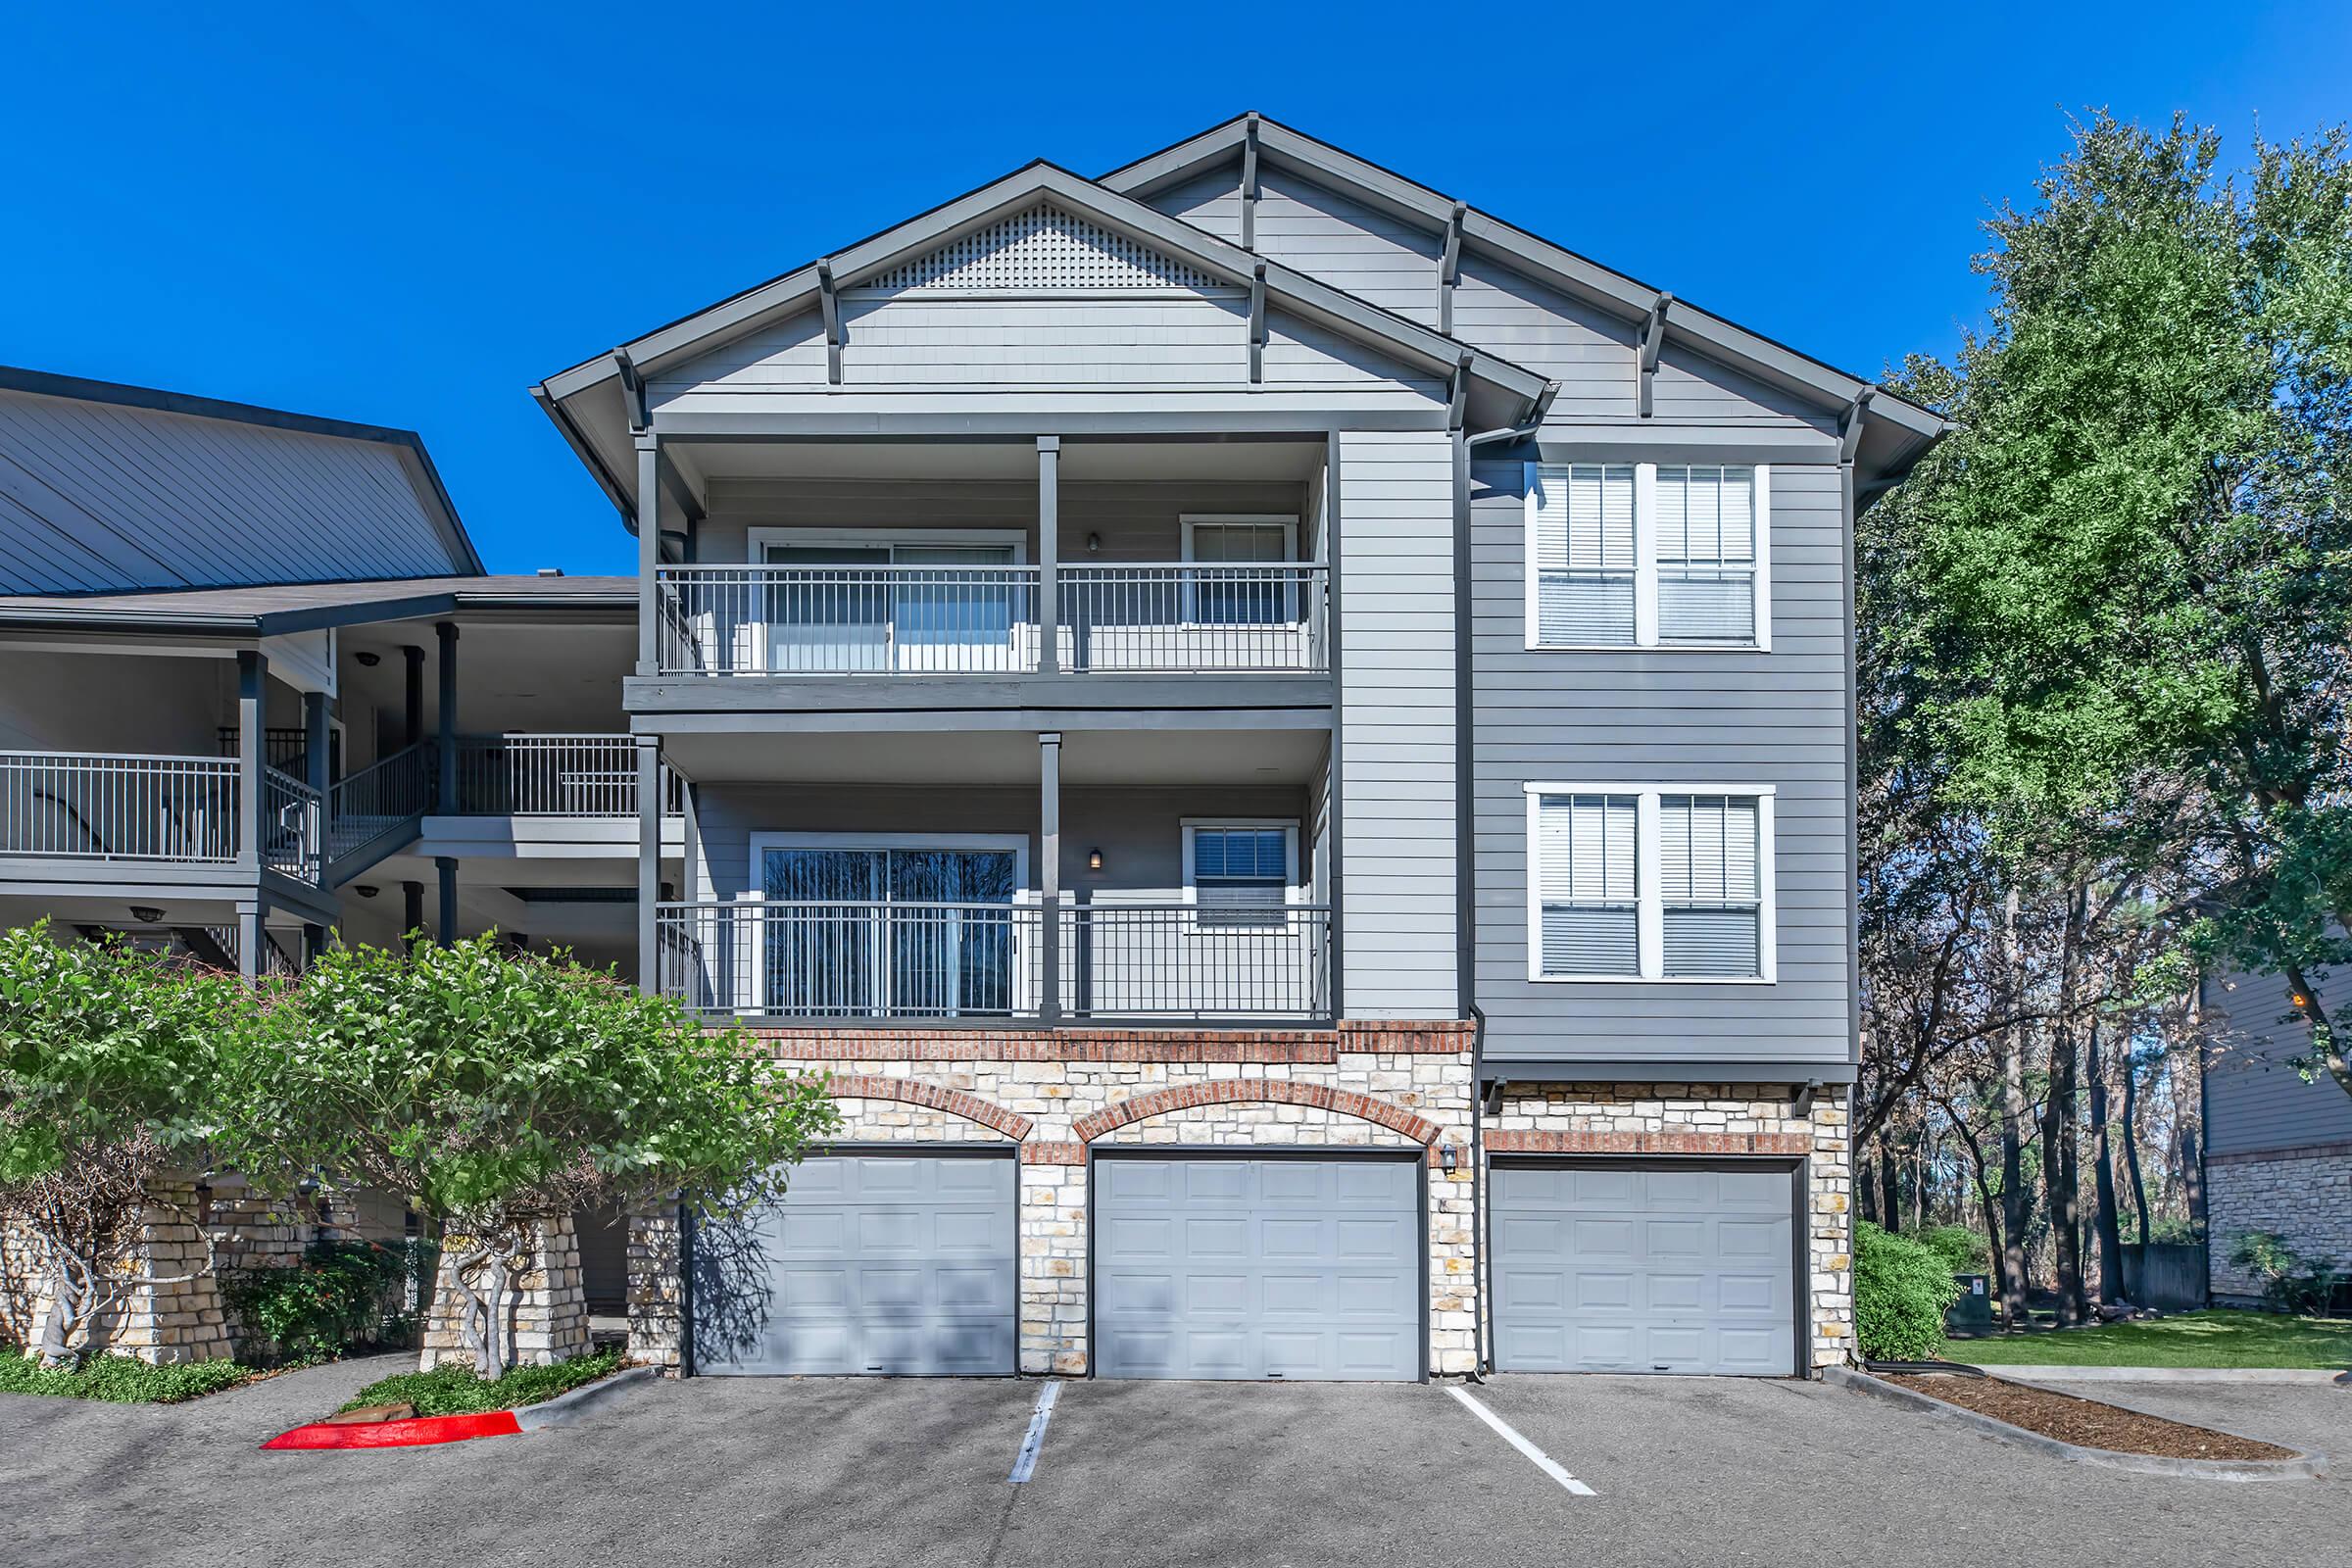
{"type": "Point", "coordinates": [1589, 353]}
{"type": "Point", "coordinates": [1210, 201]}
{"type": "Point", "coordinates": [1744, 717]}
{"type": "Point", "coordinates": [1398, 806]}
{"type": "Point", "coordinates": [1382, 260]}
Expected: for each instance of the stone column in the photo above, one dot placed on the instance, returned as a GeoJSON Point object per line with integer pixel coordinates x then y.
{"type": "Point", "coordinates": [656, 1289]}
{"type": "Point", "coordinates": [1053, 1261]}
{"type": "Point", "coordinates": [546, 1312]}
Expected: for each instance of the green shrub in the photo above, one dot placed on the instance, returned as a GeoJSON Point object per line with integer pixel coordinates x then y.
{"type": "Point", "coordinates": [1901, 1289]}
{"type": "Point", "coordinates": [119, 1379]}
{"type": "Point", "coordinates": [455, 1388]}
{"type": "Point", "coordinates": [334, 1300]}
{"type": "Point", "coordinates": [2290, 1281]}
{"type": "Point", "coordinates": [1961, 1250]}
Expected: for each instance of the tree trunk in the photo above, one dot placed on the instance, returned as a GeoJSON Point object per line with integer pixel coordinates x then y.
{"type": "Point", "coordinates": [2139, 1188]}
{"type": "Point", "coordinates": [1866, 1189]}
{"type": "Point", "coordinates": [2059, 1169]}
{"type": "Point", "coordinates": [2192, 1179]}
{"type": "Point", "coordinates": [1987, 1204]}
{"type": "Point", "coordinates": [1890, 1202]}
{"type": "Point", "coordinates": [2016, 1201]}
{"type": "Point", "coordinates": [2110, 1233]}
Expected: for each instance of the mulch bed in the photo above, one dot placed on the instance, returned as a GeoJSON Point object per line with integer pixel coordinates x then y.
{"type": "Point", "coordinates": [2085, 1423]}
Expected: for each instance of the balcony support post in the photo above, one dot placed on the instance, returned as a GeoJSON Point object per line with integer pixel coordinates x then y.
{"type": "Point", "coordinates": [251, 932]}
{"type": "Point", "coordinates": [648, 551]}
{"type": "Point", "coordinates": [445, 870]}
{"type": "Point", "coordinates": [1048, 552]}
{"type": "Point", "coordinates": [445, 633]}
{"type": "Point", "coordinates": [411, 910]}
{"type": "Point", "coordinates": [411, 696]}
{"type": "Point", "coordinates": [315, 741]}
{"type": "Point", "coordinates": [1049, 876]}
{"type": "Point", "coordinates": [649, 863]}
{"type": "Point", "coordinates": [253, 682]}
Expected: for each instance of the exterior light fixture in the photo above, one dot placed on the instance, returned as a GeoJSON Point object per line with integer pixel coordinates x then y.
{"type": "Point", "coordinates": [366, 890]}
{"type": "Point", "coordinates": [1447, 1157]}
{"type": "Point", "coordinates": [1093, 544]}
{"type": "Point", "coordinates": [369, 660]}
{"type": "Point", "coordinates": [146, 913]}
{"type": "Point", "coordinates": [1094, 859]}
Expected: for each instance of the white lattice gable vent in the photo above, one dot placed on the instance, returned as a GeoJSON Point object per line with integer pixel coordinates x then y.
{"type": "Point", "coordinates": [1042, 250]}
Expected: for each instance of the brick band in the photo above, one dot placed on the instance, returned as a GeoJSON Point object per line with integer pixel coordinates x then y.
{"type": "Point", "coordinates": [1273, 1091]}
{"type": "Point", "coordinates": [1548, 1143]}
{"type": "Point", "coordinates": [908, 1091]}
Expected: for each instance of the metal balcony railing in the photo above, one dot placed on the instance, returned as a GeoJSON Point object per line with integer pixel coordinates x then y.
{"type": "Point", "coordinates": [118, 807]}
{"type": "Point", "coordinates": [1193, 617]}
{"type": "Point", "coordinates": [293, 839]}
{"type": "Point", "coordinates": [873, 960]}
{"type": "Point", "coordinates": [551, 775]}
{"type": "Point", "coordinates": [1181, 618]}
{"type": "Point", "coordinates": [386, 798]}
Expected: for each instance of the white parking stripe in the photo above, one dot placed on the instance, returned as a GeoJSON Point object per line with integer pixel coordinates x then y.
{"type": "Point", "coordinates": [1543, 1461]}
{"type": "Point", "coordinates": [1024, 1463]}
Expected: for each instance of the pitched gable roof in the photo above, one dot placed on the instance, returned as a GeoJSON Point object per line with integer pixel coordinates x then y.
{"type": "Point", "coordinates": [1578, 275]}
{"type": "Point", "coordinates": [1168, 241]}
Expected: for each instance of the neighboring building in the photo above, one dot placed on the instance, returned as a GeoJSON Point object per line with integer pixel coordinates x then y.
{"type": "Point", "coordinates": [1287, 743]}
{"type": "Point", "coordinates": [2278, 1143]}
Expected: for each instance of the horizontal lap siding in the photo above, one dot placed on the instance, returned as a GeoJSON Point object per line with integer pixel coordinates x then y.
{"type": "Point", "coordinates": [1210, 201]}
{"type": "Point", "coordinates": [1383, 260]}
{"type": "Point", "coordinates": [1398, 801]}
{"type": "Point", "coordinates": [1775, 718]}
{"type": "Point", "coordinates": [1693, 389]}
{"type": "Point", "coordinates": [97, 496]}
{"type": "Point", "coordinates": [1590, 354]}
{"type": "Point", "coordinates": [2254, 1101]}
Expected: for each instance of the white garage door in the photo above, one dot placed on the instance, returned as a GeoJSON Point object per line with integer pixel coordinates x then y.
{"type": "Point", "coordinates": [1295, 1269]}
{"type": "Point", "coordinates": [1619, 1268]}
{"type": "Point", "coordinates": [897, 1264]}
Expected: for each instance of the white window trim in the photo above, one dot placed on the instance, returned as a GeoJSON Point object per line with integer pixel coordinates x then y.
{"type": "Point", "coordinates": [1291, 891]}
{"type": "Point", "coordinates": [1649, 884]}
{"type": "Point", "coordinates": [756, 540]}
{"type": "Point", "coordinates": [1645, 566]}
{"type": "Point", "coordinates": [1190, 520]}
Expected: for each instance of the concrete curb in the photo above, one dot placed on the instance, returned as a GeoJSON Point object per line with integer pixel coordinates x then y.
{"type": "Point", "coordinates": [2303, 1467]}
{"type": "Point", "coordinates": [569, 1407]}
{"type": "Point", "coordinates": [2169, 1373]}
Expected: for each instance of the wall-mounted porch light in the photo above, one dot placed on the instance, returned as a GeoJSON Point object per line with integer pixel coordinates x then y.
{"type": "Point", "coordinates": [1094, 859]}
{"type": "Point", "coordinates": [146, 913]}
{"type": "Point", "coordinates": [1447, 1157]}
{"type": "Point", "coordinates": [1093, 544]}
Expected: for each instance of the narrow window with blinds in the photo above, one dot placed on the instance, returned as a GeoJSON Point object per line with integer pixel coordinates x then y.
{"type": "Point", "coordinates": [1587, 867]}
{"type": "Point", "coordinates": [1644, 555]}
{"type": "Point", "coordinates": [1584, 555]}
{"type": "Point", "coordinates": [1711, 889]}
{"type": "Point", "coordinates": [1706, 545]}
{"type": "Point", "coordinates": [1240, 875]}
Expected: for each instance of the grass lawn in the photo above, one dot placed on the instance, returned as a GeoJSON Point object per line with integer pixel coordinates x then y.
{"type": "Point", "coordinates": [2192, 1339]}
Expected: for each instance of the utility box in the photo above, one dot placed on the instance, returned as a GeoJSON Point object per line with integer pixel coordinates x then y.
{"type": "Point", "coordinates": [1973, 1308]}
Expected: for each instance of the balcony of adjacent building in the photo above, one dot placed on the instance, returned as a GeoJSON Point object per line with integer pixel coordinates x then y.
{"type": "Point", "coordinates": [896, 577]}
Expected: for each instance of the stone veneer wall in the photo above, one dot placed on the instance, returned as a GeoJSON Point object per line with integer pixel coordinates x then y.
{"type": "Point", "coordinates": [1720, 1119]}
{"type": "Point", "coordinates": [1392, 1085]}
{"type": "Point", "coordinates": [166, 1324]}
{"type": "Point", "coordinates": [546, 1309]}
{"type": "Point", "coordinates": [2305, 1195]}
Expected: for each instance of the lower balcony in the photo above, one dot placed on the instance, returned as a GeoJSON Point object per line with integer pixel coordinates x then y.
{"type": "Point", "coordinates": [1017, 958]}
{"type": "Point", "coordinates": [151, 812]}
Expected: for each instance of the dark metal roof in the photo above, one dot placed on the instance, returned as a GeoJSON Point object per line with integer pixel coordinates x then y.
{"type": "Point", "coordinates": [274, 608]}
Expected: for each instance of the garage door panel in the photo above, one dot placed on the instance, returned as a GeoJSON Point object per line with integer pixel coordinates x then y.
{"type": "Point", "coordinates": [870, 1263]}
{"type": "Point", "coordinates": [1623, 1269]}
{"type": "Point", "coordinates": [1306, 1269]}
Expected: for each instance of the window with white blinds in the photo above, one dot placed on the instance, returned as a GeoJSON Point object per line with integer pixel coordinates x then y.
{"type": "Point", "coordinates": [1649, 882]}
{"type": "Point", "coordinates": [1706, 555]}
{"type": "Point", "coordinates": [1587, 867]}
{"type": "Point", "coordinates": [1241, 873]}
{"type": "Point", "coordinates": [1584, 555]}
{"type": "Point", "coordinates": [1640, 555]}
{"type": "Point", "coordinates": [1707, 847]}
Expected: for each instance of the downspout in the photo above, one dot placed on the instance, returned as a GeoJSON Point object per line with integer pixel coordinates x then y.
{"type": "Point", "coordinates": [1482, 1359]}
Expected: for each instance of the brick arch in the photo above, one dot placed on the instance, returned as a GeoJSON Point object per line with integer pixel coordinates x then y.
{"type": "Point", "coordinates": [912, 1092]}
{"type": "Point", "coordinates": [1271, 1090]}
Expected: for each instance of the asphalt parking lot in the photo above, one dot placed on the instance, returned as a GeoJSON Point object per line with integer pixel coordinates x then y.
{"type": "Point", "coordinates": [843, 1472]}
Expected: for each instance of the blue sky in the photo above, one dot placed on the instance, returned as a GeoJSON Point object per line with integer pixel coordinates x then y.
{"type": "Point", "coordinates": [407, 214]}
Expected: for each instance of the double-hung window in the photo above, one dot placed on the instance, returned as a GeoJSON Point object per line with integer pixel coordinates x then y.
{"type": "Point", "coordinates": [1649, 882]}
{"type": "Point", "coordinates": [1646, 555]}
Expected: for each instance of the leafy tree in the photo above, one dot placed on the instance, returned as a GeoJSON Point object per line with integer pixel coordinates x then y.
{"type": "Point", "coordinates": [497, 1091]}
{"type": "Point", "coordinates": [111, 1073]}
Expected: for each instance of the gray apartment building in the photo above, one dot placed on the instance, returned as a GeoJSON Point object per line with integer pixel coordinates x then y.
{"type": "Point", "coordinates": [1287, 742]}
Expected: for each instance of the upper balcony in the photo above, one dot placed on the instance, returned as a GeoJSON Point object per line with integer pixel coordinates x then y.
{"type": "Point", "coordinates": [1179, 579]}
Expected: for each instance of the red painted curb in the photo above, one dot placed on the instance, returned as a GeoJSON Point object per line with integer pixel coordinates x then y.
{"type": "Point", "coordinates": [416, 1432]}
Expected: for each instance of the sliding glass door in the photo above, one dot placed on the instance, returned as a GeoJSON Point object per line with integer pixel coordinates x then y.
{"type": "Point", "coordinates": [910, 932]}
{"type": "Point", "coordinates": [856, 607]}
